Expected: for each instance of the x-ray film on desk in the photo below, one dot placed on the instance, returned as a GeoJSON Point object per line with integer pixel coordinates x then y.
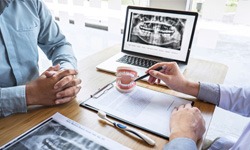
{"type": "Point", "coordinates": [61, 133]}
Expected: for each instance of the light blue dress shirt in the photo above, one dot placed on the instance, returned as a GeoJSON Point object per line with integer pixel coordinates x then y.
{"type": "Point", "coordinates": [232, 98]}
{"type": "Point", "coordinates": [25, 25]}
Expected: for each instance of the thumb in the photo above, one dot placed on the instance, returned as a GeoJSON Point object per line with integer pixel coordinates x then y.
{"type": "Point", "coordinates": [54, 68]}
{"type": "Point", "coordinates": [49, 74]}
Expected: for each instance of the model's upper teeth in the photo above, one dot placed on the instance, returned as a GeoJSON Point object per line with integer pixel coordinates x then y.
{"type": "Point", "coordinates": [125, 73]}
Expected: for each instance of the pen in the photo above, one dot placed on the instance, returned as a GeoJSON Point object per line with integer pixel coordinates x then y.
{"type": "Point", "coordinates": [144, 76]}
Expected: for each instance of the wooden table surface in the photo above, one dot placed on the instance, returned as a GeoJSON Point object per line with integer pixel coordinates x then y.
{"type": "Point", "coordinates": [197, 70]}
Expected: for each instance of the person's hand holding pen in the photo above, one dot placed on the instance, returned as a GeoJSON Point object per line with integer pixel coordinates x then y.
{"type": "Point", "coordinates": [170, 74]}
{"type": "Point", "coordinates": [185, 121]}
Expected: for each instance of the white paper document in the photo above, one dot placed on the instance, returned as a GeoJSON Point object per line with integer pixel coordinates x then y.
{"type": "Point", "coordinates": [144, 108]}
{"type": "Point", "coordinates": [61, 133]}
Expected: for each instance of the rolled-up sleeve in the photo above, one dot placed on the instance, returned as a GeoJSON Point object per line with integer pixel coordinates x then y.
{"type": "Point", "coordinates": [12, 100]}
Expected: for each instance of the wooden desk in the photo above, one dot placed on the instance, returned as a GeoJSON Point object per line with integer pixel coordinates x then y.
{"type": "Point", "coordinates": [197, 70]}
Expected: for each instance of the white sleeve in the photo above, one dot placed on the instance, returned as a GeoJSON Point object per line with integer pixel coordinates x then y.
{"type": "Point", "coordinates": [235, 99]}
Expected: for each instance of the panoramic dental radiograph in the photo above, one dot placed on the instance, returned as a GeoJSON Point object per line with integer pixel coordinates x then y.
{"type": "Point", "coordinates": [125, 79]}
{"type": "Point", "coordinates": [157, 30]}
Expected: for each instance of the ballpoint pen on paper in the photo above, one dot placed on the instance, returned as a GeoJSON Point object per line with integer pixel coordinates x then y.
{"type": "Point", "coordinates": [148, 140]}
{"type": "Point", "coordinates": [144, 76]}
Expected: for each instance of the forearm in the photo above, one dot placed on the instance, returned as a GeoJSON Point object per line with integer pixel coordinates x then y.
{"type": "Point", "coordinates": [53, 42]}
{"type": "Point", "coordinates": [65, 57]}
{"type": "Point", "coordinates": [12, 100]}
{"type": "Point", "coordinates": [190, 88]}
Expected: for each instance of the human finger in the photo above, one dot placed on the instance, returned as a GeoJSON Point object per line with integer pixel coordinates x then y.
{"type": "Point", "coordinates": [65, 80]}
{"type": "Point", "coordinates": [151, 79]}
{"type": "Point", "coordinates": [175, 109]}
{"type": "Point", "coordinates": [66, 83]}
{"type": "Point", "coordinates": [68, 92]}
{"type": "Point", "coordinates": [67, 72]}
{"type": "Point", "coordinates": [158, 75]}
{"type": "Point", "coordinates": [54, 68]}
{"type": "Point", "coordinates": [154, 67]}
{"type": "Point", "coordinates": [181, 107]}
{"type": "Point", "coordinates": [63, 100]}
{"type": "Point", "coordinates": [188, 105]}
{"type": "Point", "coordinates": [74, 82]}
{"type": "Point", "coordinates": [49, 74]}
{"type": "Point", "coordinates": [158, 81]}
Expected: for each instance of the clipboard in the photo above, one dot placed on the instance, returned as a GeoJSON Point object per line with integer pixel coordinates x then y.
{"type": "Point", "coordinates": [142, 108]}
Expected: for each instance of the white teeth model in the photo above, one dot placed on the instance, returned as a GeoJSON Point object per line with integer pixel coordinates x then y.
{"type": "Point", "coordinates": [125, 73]}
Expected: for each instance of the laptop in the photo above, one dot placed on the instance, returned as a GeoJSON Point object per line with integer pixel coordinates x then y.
{"type": "Point", "coordinates": [153, 35]}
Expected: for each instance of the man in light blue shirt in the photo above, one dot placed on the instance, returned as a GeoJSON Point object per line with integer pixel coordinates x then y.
{"type": "Point", "coordinates": [25, 25]}
{"type": "Point", "coordinates": [186, 123]}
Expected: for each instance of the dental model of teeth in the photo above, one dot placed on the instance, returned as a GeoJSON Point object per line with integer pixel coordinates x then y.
{"type": "Point", "coordinates": [125, 79]}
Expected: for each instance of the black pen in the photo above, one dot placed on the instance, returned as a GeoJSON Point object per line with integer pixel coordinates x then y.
{"type": "Point", "coordinates": [144, 76]}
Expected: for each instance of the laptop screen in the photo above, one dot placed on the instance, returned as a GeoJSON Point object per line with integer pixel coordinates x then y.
{"type": "Point", "coordinates": [164, 34]}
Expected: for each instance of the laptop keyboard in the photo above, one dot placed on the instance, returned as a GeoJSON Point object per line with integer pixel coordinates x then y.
{"type": "Point", "coordinates": [136, 61]}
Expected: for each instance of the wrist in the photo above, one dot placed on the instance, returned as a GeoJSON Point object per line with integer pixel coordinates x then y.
{"type": "Point", "coordinates": [190, 88]}
{"type": "Point", "coordinates": [28, 94]}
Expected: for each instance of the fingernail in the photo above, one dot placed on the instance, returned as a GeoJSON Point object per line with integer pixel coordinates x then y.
{"type": "Point", "coordinates": [57, 102]}
{"type": "Point", "coordinates": [55, 87]}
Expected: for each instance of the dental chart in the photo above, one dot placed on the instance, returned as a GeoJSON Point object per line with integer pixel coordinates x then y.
{"type": "Point", "coordinates": [61, 133]}
{"type": "Point", "coordinates": [147, 109]}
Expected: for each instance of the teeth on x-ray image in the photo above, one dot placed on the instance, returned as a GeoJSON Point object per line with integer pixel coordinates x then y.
{"type": "Point", "coordinates": [157, 30]}
{"type": "Point", "coordinates": [54, 136]}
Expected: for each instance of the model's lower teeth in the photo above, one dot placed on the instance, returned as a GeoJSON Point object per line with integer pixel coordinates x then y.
{"type": "Point", "coordinates": [126, 85]}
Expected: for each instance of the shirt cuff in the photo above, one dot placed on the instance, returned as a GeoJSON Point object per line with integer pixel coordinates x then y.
{"type": "Point", "coordinates": [209, 93]}
{"type": "Point", "coordinates": [13, 100]}
{"type": "Point", "coordinates": [181, 144]}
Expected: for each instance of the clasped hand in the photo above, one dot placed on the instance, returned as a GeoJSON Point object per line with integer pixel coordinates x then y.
{"type": "Point", "coordinates": [54, 86]}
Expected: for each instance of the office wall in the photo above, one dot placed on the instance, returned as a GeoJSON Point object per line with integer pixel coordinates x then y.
{"type": "Point", "coordinates": [171, 4]}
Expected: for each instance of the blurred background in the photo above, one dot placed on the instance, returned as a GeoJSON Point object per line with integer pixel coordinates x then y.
{"type": "Point", "coordinates": [222, 32]}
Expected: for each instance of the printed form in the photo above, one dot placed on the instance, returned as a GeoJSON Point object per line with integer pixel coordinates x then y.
{"type": "Point", "coordinates": [144, 108]}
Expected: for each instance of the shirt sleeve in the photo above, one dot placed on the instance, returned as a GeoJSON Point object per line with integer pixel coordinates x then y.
{"type": "Point", "coordinates": [181, 144]}
{"type": "Point", "coordinates": [235, 99]}
{"type": "Point", "coordinates": [52, 41]}
{"type": "Point", "coordinates": [209, 93]}
{"type": "Point", "coordinates": [12, 100]}
{"type": "Point", "coordinates": [232, 98]}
